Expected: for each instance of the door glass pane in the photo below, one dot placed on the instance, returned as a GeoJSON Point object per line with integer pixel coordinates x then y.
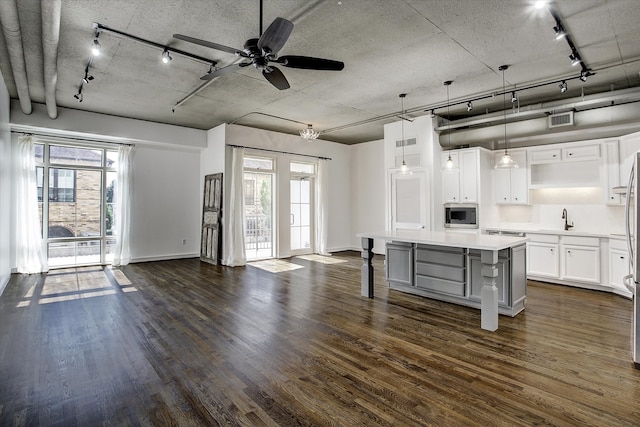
{"type": "Point", "coordinates": [74, 202]}
{"type": "Point", "coordinates": [75, 156]}
{"type": "Point", "coordinates": [302, 167]}
{"type": "Point", "coordinates": [295, 191]}
{"type": "Point", "coordinates": [110, 193]}
{"type": "Point", "coordinates": [258, 215]}
{"type": "Point", "coordinates": [305, 237]}
{"type": "Point", "coordinates": [300, 209]}
{"type": "Point", "coordinates": [74, 253]}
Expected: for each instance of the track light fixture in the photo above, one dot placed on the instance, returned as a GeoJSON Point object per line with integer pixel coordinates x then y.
{"type": "Point", "coordinates": [559, 31]}
{"type": "Point", "coordinates": [585, 74]}
{"type": "Point", "coordinates": [95, 46]}
{"type": "Point", "coordinates": [514, 97]}
{"type": "Point", "coordinates": [563, 86]}
{"type": "Point", "coordinates": [78, 95]}
{"type": "Point", "coordinates": [575, 59]}
{"type": "Point", "coordinates": [87, 78]}
{"type": "Point", "coordinates": [309, 133]}
{"type": "Point", "coordinates": [433, 113]}
{"type": "Point", "coordinates": [166, 58]}
{"type": "Point", "coordinates": [469, 106]}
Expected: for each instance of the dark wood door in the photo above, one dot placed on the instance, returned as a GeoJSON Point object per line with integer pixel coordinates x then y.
{"type": "Point", "coordinates": [211, 244]}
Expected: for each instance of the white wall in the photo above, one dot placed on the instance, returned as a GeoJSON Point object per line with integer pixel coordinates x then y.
{"type": "Point", "coordinates": [5, 187]}
{"type": "Point", "coordinates": [166, 180]}
{"type": "Point", "coordinates": [368, 175]}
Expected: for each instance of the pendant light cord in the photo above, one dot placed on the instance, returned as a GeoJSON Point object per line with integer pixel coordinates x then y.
{"type": "Point", "coordinates": [504, 111]}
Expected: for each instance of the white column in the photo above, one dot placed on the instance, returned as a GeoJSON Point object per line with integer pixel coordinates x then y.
{"type": "Point", "coordinates": [489, 294]}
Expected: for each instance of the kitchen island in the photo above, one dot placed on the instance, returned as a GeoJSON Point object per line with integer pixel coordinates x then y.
{"type": "Point", "coordinates": [471, 269]}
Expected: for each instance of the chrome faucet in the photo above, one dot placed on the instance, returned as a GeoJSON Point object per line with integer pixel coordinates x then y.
{"type": "Point", "coordinates": [565, 216]}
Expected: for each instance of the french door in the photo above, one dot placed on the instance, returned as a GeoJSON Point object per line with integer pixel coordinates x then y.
{"type": "Point", "coordinates": [259, 232]}
{"type": "Point", "coordinates": [301, 215]}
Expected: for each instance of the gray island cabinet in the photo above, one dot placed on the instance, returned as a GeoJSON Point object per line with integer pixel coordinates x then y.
{"type": "Point", "coordinates": [474, 270]}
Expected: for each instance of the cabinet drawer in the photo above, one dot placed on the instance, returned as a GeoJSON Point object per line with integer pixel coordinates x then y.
{"type": "Point", "coordinates": [544, 156]}
{"type": "Point", "coordinates": [581, 241]}
{"type": "Point", "coordinates": [440, 286]}
{"type": "Point", "coordinates": [454, 258]}
{"type": "Point", "coordinates": [543, 238]}
{"type": "Point", "coordinates": [440, 271]}
{"type": "Point", "coordinates": [585, 152]}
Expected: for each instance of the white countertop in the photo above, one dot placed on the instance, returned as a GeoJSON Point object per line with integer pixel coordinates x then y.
{"type": "Point", "coordinates": [555, 232]}
{"type": "Point", "coordinates": [454, 240]}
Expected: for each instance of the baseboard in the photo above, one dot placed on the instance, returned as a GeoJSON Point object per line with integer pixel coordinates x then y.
{"type": "Point", "coordinates": [164, 257]}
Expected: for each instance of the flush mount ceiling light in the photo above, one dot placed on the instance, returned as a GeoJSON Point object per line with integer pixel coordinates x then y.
{"type": "Point", "coordinates": [309, 134]}
{"type": "Point", "coordinates": [469, 106]}
{"type": "Point", "coordinates": [403, 168]}
{"type": "Point", "coordinates": [449, 165]}
{"type": "Point", "coordinates": [166, 58]}
{"type": "Point", "coordinates": [563, 86]}
{"type": "Point", "coordinates": [514, 97]}
{"type": "Point", "coordinates": [505, 161]}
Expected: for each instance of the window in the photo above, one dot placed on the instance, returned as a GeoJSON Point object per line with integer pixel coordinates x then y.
{"type": "Point", "coordinates": [62, 185]}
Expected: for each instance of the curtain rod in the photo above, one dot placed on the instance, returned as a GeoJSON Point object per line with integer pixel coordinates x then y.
{"type": "Point", "coordinates": [281, 152]}
{"type": "Point", "coordinates": [71, 138]}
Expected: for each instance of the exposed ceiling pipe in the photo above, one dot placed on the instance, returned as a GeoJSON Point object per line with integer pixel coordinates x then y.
{"type": "Point", "coordinates": [10, 22]}
{"type": "Point", "coordinates": [50, 11]}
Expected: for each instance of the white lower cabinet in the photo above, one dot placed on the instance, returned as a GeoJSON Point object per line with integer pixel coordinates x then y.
{"type": "Point", "coordinates": [619, 266]}
{"type": "Point", "coordinates": [542, 259]}
{"type": "Point", "coordinates": [581, 263]}
{"type": "Point", "coordinates": [564, 259]}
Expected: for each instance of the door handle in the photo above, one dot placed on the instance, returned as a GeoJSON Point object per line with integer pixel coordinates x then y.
{"type": "Point", "coordinates": [292, 219]}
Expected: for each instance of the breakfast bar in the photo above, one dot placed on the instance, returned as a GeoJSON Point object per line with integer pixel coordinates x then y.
{"type": "Point", "coordinates": [476, 270]}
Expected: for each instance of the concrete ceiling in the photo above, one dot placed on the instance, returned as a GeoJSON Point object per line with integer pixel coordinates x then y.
{"type": "Point", "coordinates": [388, 47]}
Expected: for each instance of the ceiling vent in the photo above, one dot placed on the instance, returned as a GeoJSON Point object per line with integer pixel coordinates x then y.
{"type": "Point", "coordinates": [405, 142]}
{"type": "Point", "coordinates": [561, 119]}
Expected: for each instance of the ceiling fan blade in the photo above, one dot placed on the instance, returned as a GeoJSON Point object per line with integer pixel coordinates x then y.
{"type": "Point", "coordinates": [224, 70]}
{"type": "Point", "coordinates": [276, 78]}
{"type": "Point", "coordinates": [310, 63]}
{"type": "Point", "coordinates": [276, 35]}
{"type": "Point", "coordinates": [208, 44]}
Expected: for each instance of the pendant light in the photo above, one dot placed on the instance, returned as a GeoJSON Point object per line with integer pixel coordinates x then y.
{"type": "Point", "coordinates": [404, 168]}
{"type": "Point", "coordinates": [449, 165]}
{"type": "Point", "coordinates": [505, 161]}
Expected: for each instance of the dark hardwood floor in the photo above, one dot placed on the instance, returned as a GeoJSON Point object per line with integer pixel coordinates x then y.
{"type": "Point", "coordinates": [187, 343]}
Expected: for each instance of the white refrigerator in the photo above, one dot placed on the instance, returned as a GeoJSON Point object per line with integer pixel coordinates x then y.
{"type": "Point", "coordinates": [632, 281]}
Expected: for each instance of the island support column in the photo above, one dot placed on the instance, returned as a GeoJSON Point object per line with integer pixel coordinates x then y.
{"type": "Point", "coordinates": [366, 275]}
{"type": "Point", "coordinates": [489, 293]}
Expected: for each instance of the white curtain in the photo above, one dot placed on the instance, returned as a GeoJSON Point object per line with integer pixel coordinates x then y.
{"type": "Point", "coordinates": [123, 199]}
{"type": "Point", "coordinates": [31, 254]}
{"type": "Point", "coordinates": [322, 220]}
{"type": "Point", "coordinates": [234, 233]}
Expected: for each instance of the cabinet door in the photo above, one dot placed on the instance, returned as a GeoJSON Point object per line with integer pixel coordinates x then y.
{"type": "Point", "coordinates": [469, 176]}
{"type": "Point", "coordinates": [542, 259]}
{"type": "Point", "coordinates": [399, 263]}
{"type": "Point", "coordinates": [519, 184]}
{"type": "Point", "coordinates": [613, 171]}
{"type": "Point", "coordinates": [618, 268]}
{"type": "Point", "coordinates": [502, 281]}
{"type": "Point", "coordinates": [581, 263]}
{"type": "Point", "coordinates": [451, 180]}
{"type": "Point", "coordinates": [502, 184]}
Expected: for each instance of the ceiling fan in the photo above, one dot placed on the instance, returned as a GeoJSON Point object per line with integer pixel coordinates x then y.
{"type": "Point", "coordinates": [263, 51]}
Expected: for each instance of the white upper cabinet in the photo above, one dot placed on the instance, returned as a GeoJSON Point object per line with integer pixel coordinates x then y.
{"type": "Point", "coordinates": [510, 185]}
{"type": "Point", "coordinates": [461, 186]}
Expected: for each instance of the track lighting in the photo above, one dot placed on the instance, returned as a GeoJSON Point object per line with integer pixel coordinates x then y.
{"type": "Point", "coordinates": [433, 113]}
{"type": "Point", "coordinates": [514, 97]}
{"type": "Point", "coordinates": [87, 78]}
{"type": "Point", "coordinates": [559, 31]}
{"type": "Point", "coordinates": [575, 59]}
{"type": "Point", "coordinates": [469, 106]}
{"type": "Point", "coordinates": [563, 86]}
{"type": "Point", "coordinates": [95, 47]}
{"type": "Point", "coordinates": [585, 74]}
{"type": "Point", "coordinates": [78, 95]}
{"type": "Point", "coordinates": [166, 57]}
{"type": "Point", "coordinates": [309, 133]}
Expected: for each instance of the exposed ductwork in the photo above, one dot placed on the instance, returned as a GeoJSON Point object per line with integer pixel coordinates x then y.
{"type": "Point", "coordinates": [604, 115]}
{"type": "Point", "coordinates": [50, 12]}
{"type": "Point", "coordinates": [10, 22]}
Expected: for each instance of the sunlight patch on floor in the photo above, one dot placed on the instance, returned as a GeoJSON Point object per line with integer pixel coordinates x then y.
{"type": "Point", "coordinates": [322, 259]}
{"type": "Point", "coordinates": [275, 265]}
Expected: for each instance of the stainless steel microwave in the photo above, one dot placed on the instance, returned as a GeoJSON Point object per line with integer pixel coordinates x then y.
{"type": "Point", "coordinates": [461, 215]}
